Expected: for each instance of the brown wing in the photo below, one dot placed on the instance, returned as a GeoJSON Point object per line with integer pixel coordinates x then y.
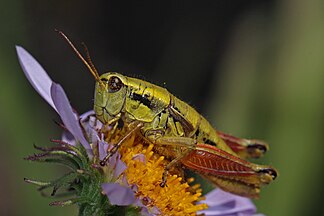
{"type": "Point", "coordinates": [229, 172]}
{"type": "Point", "coordinates": [245, 148]}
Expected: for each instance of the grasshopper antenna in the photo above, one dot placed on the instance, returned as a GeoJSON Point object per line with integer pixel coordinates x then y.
{"type": "Point", "coordinates": [89, 58]}
{"type": "Point", "coordinates": [87, 62]}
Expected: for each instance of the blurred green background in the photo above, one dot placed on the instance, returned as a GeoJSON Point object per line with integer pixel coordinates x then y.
{"type": "Point", "coordinates": [254, 68]}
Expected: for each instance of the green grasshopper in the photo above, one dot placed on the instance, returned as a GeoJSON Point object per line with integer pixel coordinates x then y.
{"type": "Point", "coordinates": [178, 131]}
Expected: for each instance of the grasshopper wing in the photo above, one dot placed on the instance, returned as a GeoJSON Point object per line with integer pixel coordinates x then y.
{"type": "Point", "coordinates": [245, 148]}
{"type": "Point", "coordinates": [229, 172]}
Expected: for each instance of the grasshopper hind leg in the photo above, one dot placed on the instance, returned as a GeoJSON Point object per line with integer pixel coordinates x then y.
{"type": "Point", "coordinates": [180, 148]}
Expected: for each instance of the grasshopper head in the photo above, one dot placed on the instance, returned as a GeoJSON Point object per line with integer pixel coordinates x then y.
{"type": "Point", "coordinates": [110, 94]}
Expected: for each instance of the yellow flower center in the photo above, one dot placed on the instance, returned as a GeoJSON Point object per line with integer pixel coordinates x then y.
{"type": "Point", "coordinates": [176, 198]}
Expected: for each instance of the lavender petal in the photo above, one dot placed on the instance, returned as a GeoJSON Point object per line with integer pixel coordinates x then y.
{"type": "Point", "coordinates": [140, 157]}
{"type": "Point", "coordinates": [86, 115]}
{"type": "Point", "coordinates": [118, 165]}
{"type": "Point", "coordinates": [67, 137]}
{"type": "Point", "coordinates": [67, 115]}
{"type": "Point", "coordinates": [36, 75]}
{"type": "Point", "coordinates": [147, 210]}
{"type": "Point", "coordinates": [223, 203]}
{"type": "Point", "coordinates": [118, 194]}
{"type": "Point", "coordinates": [103, 147]}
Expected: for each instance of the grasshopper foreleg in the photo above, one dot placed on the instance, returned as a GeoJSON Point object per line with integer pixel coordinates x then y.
{"type": "Point", "coordinates": [120, 142]}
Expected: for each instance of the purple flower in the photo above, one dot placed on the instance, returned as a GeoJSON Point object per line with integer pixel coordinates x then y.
{"type": "Point", "coordinates": [222, 203]}
{"type": "Point", "coordinates": [86, 129]}
{"type": "Point", "coordinates": [54, 94]}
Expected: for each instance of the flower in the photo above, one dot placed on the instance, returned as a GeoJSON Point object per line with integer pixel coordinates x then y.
{"type": "Point", "coordinates": [132, 175]}
{"type": "Point", "coordinates": [68, 152]}
{"type": "Point", "coordinates": [145, 168]}
{"type": "Point", "coordinates": [224, 203]}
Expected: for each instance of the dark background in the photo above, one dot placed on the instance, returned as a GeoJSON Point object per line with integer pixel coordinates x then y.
{"type": "Point", "coordinates": [253, 68]}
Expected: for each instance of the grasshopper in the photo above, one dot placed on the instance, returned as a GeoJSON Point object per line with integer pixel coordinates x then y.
{"type": "Point", "coordinates": [178, 131]}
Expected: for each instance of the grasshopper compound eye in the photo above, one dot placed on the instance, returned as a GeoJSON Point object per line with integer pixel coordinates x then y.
{"type": "Point", "coordinates": [114, 84]}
